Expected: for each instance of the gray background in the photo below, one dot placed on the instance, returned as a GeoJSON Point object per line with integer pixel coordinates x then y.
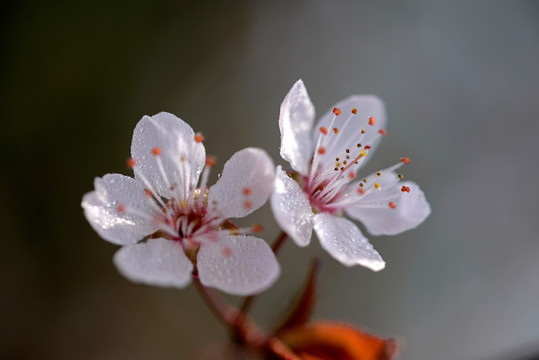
{"type": "Point", "coordinates": [461, 85]}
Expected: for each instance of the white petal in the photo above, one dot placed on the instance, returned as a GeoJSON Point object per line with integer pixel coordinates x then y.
{"type": "Point", "coordinates": [411, 210]}
{"type": "Point", "coordinates": [245, 184]}
{"type": "Point", "coordinates": [119, 227]}
{"type": "Point", "coordinates": [291, 208]}
{"type": "Point", "coordinates": [296, 122]}
{"type": "Point", "coordinates": [176, 140]}
{"type": "Point", "coordinates": [367, 106]}
{"type": "Point", "coordinates": [238, 265]}
{"type": "Point", "coordinates": [157, 262]}
{"type": "Point", "coordinates": [342, 239]}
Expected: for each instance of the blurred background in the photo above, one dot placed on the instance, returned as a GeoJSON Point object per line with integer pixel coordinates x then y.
{"type": "Point", "coordinates": [461, 85]}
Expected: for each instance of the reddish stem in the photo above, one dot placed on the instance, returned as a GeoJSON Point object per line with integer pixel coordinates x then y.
{"type": "Point", "coordinates": [235, 320]}
{"type": "Point", "coordinates": [277, 243]}
{"type": "Point", "coordinates": [219, 307]}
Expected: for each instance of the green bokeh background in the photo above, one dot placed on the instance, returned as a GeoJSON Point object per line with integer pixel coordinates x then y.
{"type": "Point", "coordinates": [461, 84]}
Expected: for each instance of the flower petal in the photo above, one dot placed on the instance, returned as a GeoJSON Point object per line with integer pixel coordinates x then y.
{"type": "Point", "coordinates": [291, 208]}
{"type": "Point", "coordinates": [109, 209]}
{"type": "Point", "coordinates": [349, 132]}
{"type": "Point", "coordinates": [411, 209]}
{"type": "Point", "coordinates": [296, 122]}
{"type": "Point", "coordinates": [238, 265]}
{"type": "Point", "coordinates": [181, 156]}
{"type": "Point", "coordinates": [245, 184]}
{"type": "Point", "coordinates": [342, 239]}
{"type": "Point", "coordinates": [157, 262]}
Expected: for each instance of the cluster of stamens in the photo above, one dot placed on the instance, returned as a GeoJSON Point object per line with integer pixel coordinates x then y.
{"type": "Point", "coordinates": [328, 183]}
{"type": "Point", "coordinates": [184, 214]}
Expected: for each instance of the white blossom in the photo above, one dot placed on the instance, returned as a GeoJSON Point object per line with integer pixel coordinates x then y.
{"type": "Point", "coordinates": [171, 225]}
{"type": "Point", "coordinates": [324, 184]}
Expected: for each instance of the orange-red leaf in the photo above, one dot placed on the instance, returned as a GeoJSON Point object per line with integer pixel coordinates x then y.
{"type": "Point", "coordinates": [327, 340]}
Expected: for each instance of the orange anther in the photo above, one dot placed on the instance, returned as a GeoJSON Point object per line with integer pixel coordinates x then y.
{"type": "Point", "coordinates": [405, 189]}
{"type": "Point", "coordinates": [257, 228]}
{"type": "Point", "coordinates": [156, 150]}
{"type": "Point", "coordinates": [382, 132]}
{"type": "Point", "coordinates": [321, 150]}
{"type": "Point", "coordinates": [210, 161]}
{"type": "Point", "coordinates": [337, 111]}
{"type": "Point", "coordinates": [405, 160]}
{"type": "Point", "coordinates": [247, 191]}
{"type": "Point", "coordinates": [360, 191]}
{"type": "Point", "coordinates": [335, 130]}
{"type": "Point", "coordinates": [354, 111]}
{"type": "Point", "coordinates": [372, 121]}
{"type": "Point", "coordinates": [199, 137]}
{"type": "Point", "coordinates": [131, 163]}
{"type": "Point", "coordinates": [323, 130]}
{"type": "Point", "coordinates": [392, 205]}
{"type": "Point", "coordinates": [367, 147]}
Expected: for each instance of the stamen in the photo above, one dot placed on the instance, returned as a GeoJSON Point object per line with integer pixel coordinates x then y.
{"type": "Point", "coordinates": [203, 183]}
{"type": "Point", "coordinates": [335, 130]}
{"type": "Point", "coordinates": [256, 228]}
{"type": "Point", "coordinates": [322, 150]}
{"type": "Point", "coordinates": [199, 137]}
{"type": "Point", "coordinates": [372, 120]}
{"type": "Point", "coordinates": [354, 111]}
{"type": "Point", "coordinates": [131, 163]}
{"type": "Point", "coordinates": [376, 186]}
{"type": "Point", "coordinates": [323, 130]}
{"type": "Point", "coordinates": [337, 111]}
{"type": "Point", "coordinates": [382, 132]}
{"type": "Point", "coordinates": [163, 226]}
{"type": "Point", "coordinates": [151, 189]}
{"type": "Point", "coordinates": [392, 205]}
{"type": "Point", "coordinates": [210, 161]}
{"type": "Point", "coordinates": [405, 160]}
{"type": "Point", "coordinates": [156, 151]}
{"type": "Point", "coordinates": [405, 189]}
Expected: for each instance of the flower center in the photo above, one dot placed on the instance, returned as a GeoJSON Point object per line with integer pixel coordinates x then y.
{"type": "Point", "coordinates": [339, 153]}
{"type": "Point", "coordinates": [183, 214]}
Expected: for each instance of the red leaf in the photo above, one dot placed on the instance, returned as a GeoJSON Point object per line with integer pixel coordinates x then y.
{"type": "Point", "coordinates": [330, 341]}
